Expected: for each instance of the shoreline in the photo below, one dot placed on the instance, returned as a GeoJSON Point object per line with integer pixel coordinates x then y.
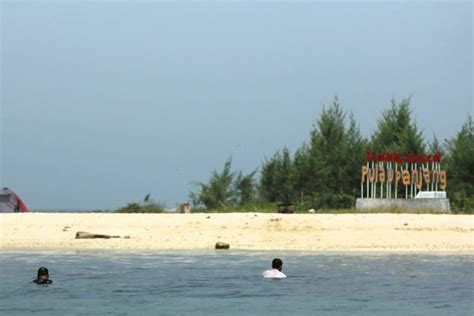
{"type": "Point", "coordinates": [231, 252]}
{"type": "Point", "coordinates": [304, 233]}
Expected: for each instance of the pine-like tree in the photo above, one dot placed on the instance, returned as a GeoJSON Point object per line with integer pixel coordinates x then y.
{"type": "Point", "coordinates": [219, 192]}
{"type": "Point", "coordinates": [356, 156]}
{"type": "Point", "coordinates": [302, 173]}
{"type": "Point", "coordinates": [329, 151]}
{"type": "Point", "coordinates": [460, 168]}
{"type": "Point", "coordinates": [277, 178]}
{"type": "Point", "coordinates": [397, 131]}
{"type": "Point", "coordinates": [246, 187]}
{"type": "Point", "coordinates": [285, 177]}
{"type": "Point", "coordinates": [435, 146]}
{"type": "Point", "coordinates": [268, 181]}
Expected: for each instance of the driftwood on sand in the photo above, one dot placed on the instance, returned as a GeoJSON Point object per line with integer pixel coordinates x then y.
{"type": "Point", "coordinates": [86, 235]}
{"type": "Point", "coordinates": [222, 245]}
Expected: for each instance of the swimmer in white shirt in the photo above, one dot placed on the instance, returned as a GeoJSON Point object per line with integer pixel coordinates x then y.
{"type": "Point", "coordinates": [275, 272]}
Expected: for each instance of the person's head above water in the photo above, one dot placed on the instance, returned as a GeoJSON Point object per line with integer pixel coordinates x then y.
{"type": "Point", "coordinates": [275, 272]}
{"type": "Point", "coordinates": [43, 273]}
{"type": "Point", "coordinates": [43, 276]}
{"type": "Point", "coordinates": [277, 264]}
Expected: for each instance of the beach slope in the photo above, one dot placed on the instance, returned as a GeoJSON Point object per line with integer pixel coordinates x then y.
{"type": "Point", "coordinates": [246, 231]}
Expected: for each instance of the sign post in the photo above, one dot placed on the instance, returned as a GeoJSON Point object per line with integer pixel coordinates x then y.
{"type": "Point", "coordinates": [414, 171]}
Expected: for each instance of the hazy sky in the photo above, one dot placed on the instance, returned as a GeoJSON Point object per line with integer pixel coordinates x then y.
{"type": "Point", "coordinates": [103, 102]}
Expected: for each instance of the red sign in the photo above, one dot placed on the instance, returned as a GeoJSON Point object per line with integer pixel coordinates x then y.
{"type": "Point", "coordinates": [398, 158]}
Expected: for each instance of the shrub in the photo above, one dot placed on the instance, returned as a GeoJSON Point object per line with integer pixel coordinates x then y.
{"type": "Point", "coordinates": [147, 206]}
{"type": "Point", "coordinates": [462, 202]}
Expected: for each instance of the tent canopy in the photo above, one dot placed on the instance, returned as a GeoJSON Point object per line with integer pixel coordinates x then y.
{"type": "Point", "coordinates": [10, 202]}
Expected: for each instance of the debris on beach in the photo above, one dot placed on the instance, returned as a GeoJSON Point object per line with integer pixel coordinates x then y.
{"type": "Point", "coordinates": [86, 235]}
{"type": "Point", "coordinates": [222, 245]}
{"type": "Point", "coordinates": [184, 208]}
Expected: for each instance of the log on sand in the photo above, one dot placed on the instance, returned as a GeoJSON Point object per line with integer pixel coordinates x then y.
{"type": "Point", "coordinates": [86, 235]}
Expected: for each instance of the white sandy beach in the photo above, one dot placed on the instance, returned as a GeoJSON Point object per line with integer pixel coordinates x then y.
{"type": "Point", "coordinates": [246, 231]}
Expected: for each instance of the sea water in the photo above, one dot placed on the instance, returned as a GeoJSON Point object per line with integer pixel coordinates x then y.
{"type": "Point", "coordinates": [230, 282]}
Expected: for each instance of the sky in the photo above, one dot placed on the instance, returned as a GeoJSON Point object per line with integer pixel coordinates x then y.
{"type": "Point", "coordinates": [103, 102]}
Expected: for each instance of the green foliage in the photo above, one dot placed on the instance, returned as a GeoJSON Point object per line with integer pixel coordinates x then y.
{"type": "Point", "coordinates": [147, 198]}
{"type": "Point", "coordinates": [325, 201]}
{"type": "Point", "coordinates": [397, 130]}
{"type": "Point", "coordinates": [460, 168]}
{"type": "Point", "coordinates": [147, 206]}
{"type": "Point", "coordinates": [255, 206]}
{"type": "Point", "coordinates": [268, 179]}
{"type": "Point", "coordinates": [356, 157]}
{"type": "Point", "coordinates": [435, 146]}
{"type": "Point", "coordinates": [225, 189]}
{"type": "Point", "coordinates": [246, 187]}
{"type": "Point", "coordinates": [218, 193]}
{"type": "Point", "coordinates": [461, 202]}
{"type": "Point", "coordinates": [324, 173]}
{"type": "Point", "coordinates": [285, 177]}
{"type": "Point", "coordinates": [302, 173]}
{"type": "Point", "coordinates": [277, 178]}
{"type": "Point", "coordinates": [329, 151]}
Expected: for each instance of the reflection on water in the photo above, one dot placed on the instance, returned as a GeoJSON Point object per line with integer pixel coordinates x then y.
{"type": "Point", "coordinates": [230, 283]}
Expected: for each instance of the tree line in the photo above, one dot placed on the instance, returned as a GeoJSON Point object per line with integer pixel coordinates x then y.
{"type": "Point", "coordinates": [324, 173]}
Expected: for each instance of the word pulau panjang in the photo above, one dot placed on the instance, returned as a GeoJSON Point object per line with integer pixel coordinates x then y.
{"type": "Point", "coordinates": [418, 176]}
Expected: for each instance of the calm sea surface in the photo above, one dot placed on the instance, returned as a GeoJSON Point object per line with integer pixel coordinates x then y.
{"type": "Point", "coordinates": [202, 283]}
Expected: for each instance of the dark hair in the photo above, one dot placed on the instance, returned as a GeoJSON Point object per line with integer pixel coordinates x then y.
{"type": "Point", "coordinates": [277, 263]}
{"type": "Point", "coordinates": [43, 271]}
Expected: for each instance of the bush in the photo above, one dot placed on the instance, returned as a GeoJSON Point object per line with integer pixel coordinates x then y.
{"type": "Point", "coordinates": [257, 206]}
{"type": "Point", "coordinates": [462, 203]}
{"type": "Point", "coordinates": [147, 206]}
{"type": "Point", "coordinates": [138, 208]}
{"type": "Point", "coordinates": [326, 201]}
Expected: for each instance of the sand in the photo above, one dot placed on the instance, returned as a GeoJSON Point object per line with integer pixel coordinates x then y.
{"type": "Point", "coordinates": [246, 231]}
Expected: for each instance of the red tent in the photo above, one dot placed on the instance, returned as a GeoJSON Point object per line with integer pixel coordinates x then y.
{"type": "Point", "coordinates": [10, 202]}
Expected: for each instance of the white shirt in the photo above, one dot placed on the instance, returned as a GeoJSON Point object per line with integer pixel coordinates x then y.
{"type": "Point", "coordinates": [273, 273]}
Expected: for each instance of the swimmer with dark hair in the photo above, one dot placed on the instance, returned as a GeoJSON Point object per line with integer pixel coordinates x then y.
{"type": "Point", "coordinates": [275, 272]}
{"type": "Point", "coordinates": [43, 276]}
